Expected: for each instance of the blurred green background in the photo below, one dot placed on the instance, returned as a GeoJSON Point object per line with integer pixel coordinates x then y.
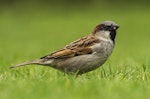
{"type": "Point", "coordinates": [30, 29]}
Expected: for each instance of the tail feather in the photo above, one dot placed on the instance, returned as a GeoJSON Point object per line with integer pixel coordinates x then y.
{"type": "Point", "coordinates": [27, 63]}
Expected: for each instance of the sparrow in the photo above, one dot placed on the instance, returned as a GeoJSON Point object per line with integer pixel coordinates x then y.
{"type": "Point", "coordinates": [82, 55]}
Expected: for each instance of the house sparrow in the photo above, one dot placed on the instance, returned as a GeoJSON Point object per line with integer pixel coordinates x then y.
{"type": "Point", "coordinates": [83, 55]}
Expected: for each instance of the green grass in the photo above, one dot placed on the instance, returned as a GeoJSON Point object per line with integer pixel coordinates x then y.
{"type": "Point", "coordinates": [29, 32]}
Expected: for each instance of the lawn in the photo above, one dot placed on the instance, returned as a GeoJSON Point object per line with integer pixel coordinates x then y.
{"type": "Point", "coordinates": [31, 31]}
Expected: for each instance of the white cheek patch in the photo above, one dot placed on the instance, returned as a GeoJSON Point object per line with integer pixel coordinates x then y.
{"type": "Point", "coordinates": [104, 35]}
{"type": "Point", "coordinates": [107, 34]}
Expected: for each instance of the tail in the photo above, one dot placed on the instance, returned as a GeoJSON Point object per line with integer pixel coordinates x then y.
{"type": "Point", "coordinates": [38, 62]}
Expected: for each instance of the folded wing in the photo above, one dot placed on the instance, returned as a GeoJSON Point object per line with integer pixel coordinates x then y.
{"type": "Point", "coordinates": [79, 47]}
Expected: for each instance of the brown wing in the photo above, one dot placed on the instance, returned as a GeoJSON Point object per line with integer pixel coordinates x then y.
{"type": "Point", "coordinates": [76, 48]}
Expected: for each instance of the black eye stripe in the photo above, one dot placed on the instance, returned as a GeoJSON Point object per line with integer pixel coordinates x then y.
{"type": "Point", "coordinates": [106, 27]}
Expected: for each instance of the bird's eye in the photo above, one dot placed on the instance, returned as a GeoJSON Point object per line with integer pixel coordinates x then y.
{"type": "Point", "coordinates": [106, 27]}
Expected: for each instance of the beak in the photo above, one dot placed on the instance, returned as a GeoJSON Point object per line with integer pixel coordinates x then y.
{"type": "Point", "coordinates": [115, 27]}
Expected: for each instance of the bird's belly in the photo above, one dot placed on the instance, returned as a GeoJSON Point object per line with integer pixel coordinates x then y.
{"type": "Point", "coordinates": [80, 64]}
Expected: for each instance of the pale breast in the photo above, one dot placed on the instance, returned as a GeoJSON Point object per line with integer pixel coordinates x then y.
{"type": "Point", "coordinates": [103, 49]}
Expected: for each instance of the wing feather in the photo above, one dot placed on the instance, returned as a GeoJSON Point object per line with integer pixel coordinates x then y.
{"type": "Point", "coordinates": [79, 47]}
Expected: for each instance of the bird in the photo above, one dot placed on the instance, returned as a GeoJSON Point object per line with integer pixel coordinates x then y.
{"type": "Point", "coordinates": [82, 55]}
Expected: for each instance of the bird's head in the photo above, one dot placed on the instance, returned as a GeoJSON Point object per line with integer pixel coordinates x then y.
{"type": "Point", "coordinates": [106, 29]}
